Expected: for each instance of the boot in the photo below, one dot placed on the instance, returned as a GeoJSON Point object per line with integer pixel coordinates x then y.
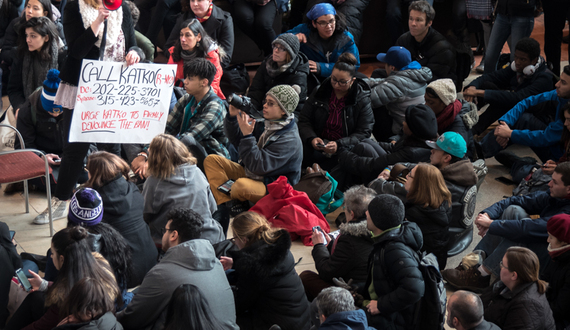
{"type": "Point", "coordinates": [222, 215]}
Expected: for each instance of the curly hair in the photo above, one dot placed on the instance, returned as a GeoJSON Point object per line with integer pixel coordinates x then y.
{"type": "Point", "coordinates": [187, 223]}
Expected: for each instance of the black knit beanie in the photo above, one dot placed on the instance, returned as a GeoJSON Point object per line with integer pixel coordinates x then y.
{"type": "Point", "coordinates": [386, 211]}
{"type": "Point", "coordinates": [421, 121]}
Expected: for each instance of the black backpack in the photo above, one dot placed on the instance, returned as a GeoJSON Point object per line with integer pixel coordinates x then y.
{"type": "Point", "coordinates": [429, 312]}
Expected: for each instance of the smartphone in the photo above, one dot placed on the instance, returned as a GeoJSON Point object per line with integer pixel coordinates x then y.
{"type": "Point", "coordinates": [57, 160]}
{"type": "Point", "coordinates": [12, 234]}
{"type": "Point", "coordinates": [320, 145]}
{"type": "Point", "coordinates": [226, 187]}
{"type": "Point", "coordinates": [322, 232]}
{"type": "Point", "coordinates": [23, 280]}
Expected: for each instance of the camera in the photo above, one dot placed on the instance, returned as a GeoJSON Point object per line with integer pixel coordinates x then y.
{"type": "Point", "coordinates": [243, 103]}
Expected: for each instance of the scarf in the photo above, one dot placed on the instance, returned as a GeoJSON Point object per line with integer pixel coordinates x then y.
{"type": "Point", "coordinates": [273, 69]}
{"type": "Point", "coordinates": [34, 70]}
{"type": "Point", "coordinates": [558, 251]}
{"type": "Point", "coordinates": [208, 14]}
{"type": "Point", "coordinates": [447, 116]}
{"type": "Point", "coordinates": [114, 22]}
{"type": "Point", "coordinates": [188, 55]}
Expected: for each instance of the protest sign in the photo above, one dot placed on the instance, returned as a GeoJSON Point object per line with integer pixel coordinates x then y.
{"type": "Point", "coordinates": [120, 104]}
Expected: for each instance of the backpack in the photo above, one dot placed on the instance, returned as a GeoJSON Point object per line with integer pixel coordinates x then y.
{"type": "Point", "coordinates": [429, 311]}
{"type": "Point", "coordinates": [322, 191]}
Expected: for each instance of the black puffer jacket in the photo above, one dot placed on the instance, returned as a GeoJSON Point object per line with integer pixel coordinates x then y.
{"type": "Point", "coordinates": [434, 51]}
{"type": "Point", "coordinates": [295, 74]}
{"type": "Point", "coordinates": [557, 274]}
{"type": "Point", "coordinates": [407, 149]}
{"type": "Point", "coordinates": [434, 224]}
{"type": "Point", "coordinates": [524, 308]}
{"type": "Point", "coordinates": [357, 113]}
{"type": "Point", "coordinates": [350, 256]}
{"type": "Point", "coordinates": [123, 210]}
{"type": "Point", "coordinates": [398, 282]}
{"type": "Point", "coordinates": [219, 27]}
{"type": "Point", "coordinates": [268, 290]}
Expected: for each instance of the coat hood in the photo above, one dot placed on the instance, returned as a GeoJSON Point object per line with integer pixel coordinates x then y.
{"type": "Point", "coordinates": [183, 175]}
{"type": "Point", "coordinates": [117, 196]}
{"type": "Point", "coordinates": [349, 320]}
{"type": "Point", "coordinates": [265, 259]}
{"type": "Point", "coordinates": [196, 255]}
{"type": "Point", "coordinates": [106, 322]}
{"type": "Point", "coordinates": [355, 228]}
{"type": "Point", "coordinates": [460, 173]}
{"type": "Point", "coordinates": [409, 234]}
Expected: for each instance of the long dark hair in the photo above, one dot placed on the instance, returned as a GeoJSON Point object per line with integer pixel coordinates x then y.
{"type": "Point", "coordinates": [196, 28]}
{"type": "Point", "coordinates": [188, 310]}
{"type": "Point", "coordinates": [339, 27]}
{"type": "Point", "coordinates": [44, 27]}
{"type": "Point", "coordinates": [46, 6]}
{"type": "Point", "coordinates": [90, 296]}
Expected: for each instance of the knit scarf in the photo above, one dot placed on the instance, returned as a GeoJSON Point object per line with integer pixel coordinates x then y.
{"type": "Point", "coordinates": [114, 22]}
{"type": "Point", "coordinates": [555, 252]}
{"type": "Point", "coordinates": [447, 116]}
{"type": "Point", "coordinates": [34, 70]}
{"type": "Point", "coordinates": [208, 14]}
{"type": "Point", "coordinates": [273, 69]}
{"type": "Point", "coordinates": [188, 55]}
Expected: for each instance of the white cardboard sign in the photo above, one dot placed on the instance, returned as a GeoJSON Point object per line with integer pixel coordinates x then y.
{"type": "Point", "coordinates": [120, 104]}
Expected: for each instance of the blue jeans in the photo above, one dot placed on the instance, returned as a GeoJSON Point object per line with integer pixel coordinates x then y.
{"type": "Point", "coordinates": [496, 246]}
{"type": "Point", "coordinates": [517, 27]}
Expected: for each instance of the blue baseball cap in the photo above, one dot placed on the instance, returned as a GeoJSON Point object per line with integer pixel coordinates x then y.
{"type": "Point", "coordinates": [450, 142]}
{"type": "Point", "coordinates": [397, 56]}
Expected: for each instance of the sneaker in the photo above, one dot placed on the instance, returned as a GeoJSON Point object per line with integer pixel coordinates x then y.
{"type": "Point", "coordinates": [58, 209]}
{"type": "Point", "coordinates": [480, 68]}
{"type": "Point", "coordinates": [470, 279]}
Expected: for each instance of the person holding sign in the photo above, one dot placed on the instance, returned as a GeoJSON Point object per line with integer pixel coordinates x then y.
{"type": "Point", "coordinates": [277, 151]}
{"type": "Point", "coordinates": [194, 43]}
{"type": "Point", "coordinates": [93, 31]}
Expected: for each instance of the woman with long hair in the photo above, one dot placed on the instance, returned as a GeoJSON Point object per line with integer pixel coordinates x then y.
{"type": "Point", "coordinates": [518, 300]}
{"type": "Point", "coordinates": [176, 182]}
{"type": "Point", "coordinates": [429, 205]}
{"type": "Point", "coordinates": [72, 257]}
{"type": "Point", "coordinates": [123, 209]}
{"type": "Point", "coordinates": [324, 38]}
{"type": "Point", "coordinates": [39, 50]}
{"type": "Point", "coordinates": [189, 310]}
{"type": "Point", "coordinates": [268, 290]}
{"type": "Point", "coordinates": [337, 115]}
{"type": "Point", "coordinates": [193, 43]}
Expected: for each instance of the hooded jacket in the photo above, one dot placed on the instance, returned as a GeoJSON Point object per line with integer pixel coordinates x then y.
{"type": "Point", "coordinates": [357, 114]}
{"type": "Point", "coordinates": [186, 188]}
{"type": "Point", "coordinates": [106, 322]}
{"type": "Point", "coordinates": [123, 209]}
{"type": "Point", "coordinates": [557, 274]}
{"type": "Point", "coordinates": [350, 257]}
{"type": "Point", "coordinates": [349, 320]}
{"type": "Point", "coordinates": [398, 282]}
{"type": "Point", "coordinates": [313, 48]}
{"type": "Point", "coordinates": [400, 90]}
{"type": "Point", "coordinates": [268, 290]}
{"type": "Point", "coordinates": [192, 262]}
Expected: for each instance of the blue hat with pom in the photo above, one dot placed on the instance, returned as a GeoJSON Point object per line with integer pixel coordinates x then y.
{"type": "Point", "coordinates": [49, 90]}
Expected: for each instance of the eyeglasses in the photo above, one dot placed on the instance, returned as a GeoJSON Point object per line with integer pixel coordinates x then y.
{"type": "Point", "coordinates": [269, 103]}
{"type": "Point", "coordinates": [335, 81]}
{"type": "Point", "coordinates": [503, 266]}
{"type": "Point", "coordinates": [324, 24]}
{"type": "Point", "coordinates": [279, 48]}
{"type": "Point", "coordinates": [164, 230]}
{"type": "Point", "coordinates": [409, 175]}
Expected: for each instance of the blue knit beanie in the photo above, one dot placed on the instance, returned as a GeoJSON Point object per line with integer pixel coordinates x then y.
{"type": "Point", "coordinates": [50, 86]}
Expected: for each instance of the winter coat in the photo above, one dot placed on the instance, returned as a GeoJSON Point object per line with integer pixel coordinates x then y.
{"type": "Point", "coordinates": [81, 41]}
{"type": "Point", "coordinates": [434, 52]}
{"type": "Point", "coordinates": [191, 262]}
{"type": "Point", "coordinates": [123, 210]}
{"type": "Point", "coordinates": [47, 133]}
{"type": "Point", "coordinates": [350, 257]}
{"type": "Point", "coordinates": [282, 154]}
{"type": "Point", "coordinates": [268, 290]}
{"type": "Point", "coordinates": [187, 188]}
{"type": "Point", "coordinates": [295, 74]}
{"type": "Point", "coordinates": [407, 149]}
{"type": "Point", "coordinates": [557, 274]}
{"type": "Point", "coordinates": [461, 127]}
{"type": "Point", "coordinates": [6, 17]}
{"type": "Point", "coordinates": [434, 224]}
{"type": "Point", "coordinates": [10, 261]}
{"type": "Point", "coordinates": [357, 114]}
{"type": "Point", "coordinates": [398, 91]}
{"type": "Point", "coordinates": [313, 48]}
{"type": "Point", "coordinates": [107, 321]}
{"type": "Point", "coordinates": [524, 308]}
{"type": "Point", "coordinates": [350, 320]}
{"type": "Point", "coordinates": [550, 136]}
{"type": "Point", "coordinates": [524, 8]}
{"type": "Point", "coordinates": [486, 326]}
{"type": "Point", "coordinates": [219, 27]}
{"type": "Point", "coordinates": [510, 92]}
{"type": "Point", "coordinates": [526, 230]}
{"type": "Point", "coordinates": [398, 282]}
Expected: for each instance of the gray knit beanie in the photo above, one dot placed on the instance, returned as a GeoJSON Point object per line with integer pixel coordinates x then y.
{"type": "Point", "coordinates": [386, 211]}
{"type": "Point", "coordinates": [290, 42]}
{"type": "Point", "coordinates": [287, 97]}
{"type": "Point", "coordinates": [445, 90]}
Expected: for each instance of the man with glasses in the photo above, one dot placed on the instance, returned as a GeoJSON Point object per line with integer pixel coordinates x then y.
{"type": "Point", "coordinates": [187, 260]}
{"type": "Point", "coordinates": [514, 227]}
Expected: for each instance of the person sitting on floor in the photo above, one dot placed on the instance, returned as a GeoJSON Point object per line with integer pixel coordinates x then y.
{"type": "Point", "coordinates": [337, 311]}
{"type": "Point", "coordinates": [465, 312]}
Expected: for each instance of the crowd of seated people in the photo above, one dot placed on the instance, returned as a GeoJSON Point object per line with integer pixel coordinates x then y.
{"type": "Point", "coordinates": [146, 245]}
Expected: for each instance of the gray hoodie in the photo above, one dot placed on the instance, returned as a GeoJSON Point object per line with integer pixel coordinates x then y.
{"type": "Point", "coordinates": [192, 262]}
{"type": "Point", "coordinates": [186, 188]}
